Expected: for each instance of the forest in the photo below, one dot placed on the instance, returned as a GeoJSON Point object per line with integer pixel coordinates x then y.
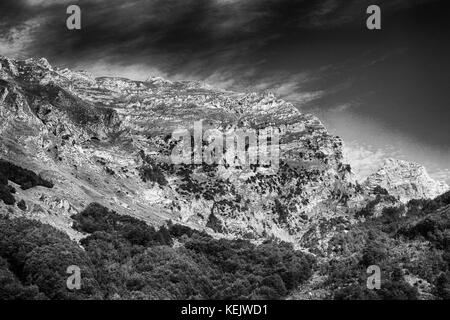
{"type": "Point", "coordinates": [121, 257]}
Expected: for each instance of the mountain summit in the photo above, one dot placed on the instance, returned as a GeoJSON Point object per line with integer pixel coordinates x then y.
{"type": "Point", "coordinates": [406, 180]}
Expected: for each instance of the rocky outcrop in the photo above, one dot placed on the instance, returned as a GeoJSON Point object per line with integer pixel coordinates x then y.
{"type": "Point", "coordinates": [406, 181]}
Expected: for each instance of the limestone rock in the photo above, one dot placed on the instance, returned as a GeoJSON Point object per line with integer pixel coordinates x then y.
{"type": "Point", "coordinates": [110, 140]}
{"type": "Point", "coordinates": [406, 180]}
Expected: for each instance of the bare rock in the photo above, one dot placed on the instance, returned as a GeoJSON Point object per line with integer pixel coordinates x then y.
{"type": "Point", "coordinates": [406, 180]}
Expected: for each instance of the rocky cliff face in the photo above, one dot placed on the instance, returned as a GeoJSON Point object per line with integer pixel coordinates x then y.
{"type": "Point", "coordinates": [111, 140]}
{"type": "Point", "coordinates": [406, 181]}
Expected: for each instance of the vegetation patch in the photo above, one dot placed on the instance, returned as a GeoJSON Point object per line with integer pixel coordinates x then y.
{"type": "Point", "coordinates": [415, 244]}
{"type": "Point", "coordinates": [123, 258]}
{"type": "Point", "coordinates": [25, 178]}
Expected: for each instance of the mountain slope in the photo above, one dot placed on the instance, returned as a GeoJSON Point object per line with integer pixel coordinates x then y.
{"type": "Point", "coordinates": [111, 141]}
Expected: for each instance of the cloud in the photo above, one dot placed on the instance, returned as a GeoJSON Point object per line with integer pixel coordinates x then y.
{"type": "Point", "coordinates": [369, 142]}
{"type": "Point", "coordinates": [367, 159]}
{"type": "Point", "coordinates": [364, 160]}
{"type": "Point", "coordinates": [47, 3]}
{"type": "Point", "coordinates": [441, 175]}
{"type": "Point", "coordinates": [172, 32]}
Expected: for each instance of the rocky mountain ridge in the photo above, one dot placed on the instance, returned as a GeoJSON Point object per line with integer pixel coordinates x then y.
{"type": "Point", "coordinates": [109, 140]}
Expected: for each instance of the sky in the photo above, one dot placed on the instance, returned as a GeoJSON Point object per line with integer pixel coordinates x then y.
{"type": "Point", "coordinates": [385, 92]}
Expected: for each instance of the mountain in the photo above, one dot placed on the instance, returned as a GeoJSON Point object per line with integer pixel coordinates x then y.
{"type": "Point", "coordinates": [155, 187]}
{"type": "Point", "coordinates": [112, 141]}
{"type": "Point", "coordinates": [406, 180]}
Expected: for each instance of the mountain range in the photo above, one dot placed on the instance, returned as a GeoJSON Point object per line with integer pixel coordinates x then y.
{"type": "Point", "coordinates": [109, 141]}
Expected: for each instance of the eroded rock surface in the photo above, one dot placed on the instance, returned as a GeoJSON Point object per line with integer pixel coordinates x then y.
{"type": "Point", "coordinates": [109, 140]}
{"type": "Point", "coordinates": [406, 180]}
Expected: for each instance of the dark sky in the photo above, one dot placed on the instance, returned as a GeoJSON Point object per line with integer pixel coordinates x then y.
{"type": "Point", "coordinates": [386, 92]}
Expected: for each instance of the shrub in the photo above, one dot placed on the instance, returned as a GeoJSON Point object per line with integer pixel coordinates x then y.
{"type": "Point", "coordinates": [25, 178]}
{"type": "Point", "coordinates": [98, 218]}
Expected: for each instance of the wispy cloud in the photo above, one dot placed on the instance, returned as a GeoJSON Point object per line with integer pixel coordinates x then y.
{"type": "Point", "coordinates": [364, 160]}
